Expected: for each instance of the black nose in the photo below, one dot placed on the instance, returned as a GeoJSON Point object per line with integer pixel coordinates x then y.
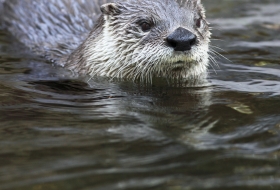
{"type": "Point", "coordinates": [181, 39]}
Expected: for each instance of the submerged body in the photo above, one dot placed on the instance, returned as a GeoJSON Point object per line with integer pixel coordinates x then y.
{"type": "Point", "coordinates": [134, 39]}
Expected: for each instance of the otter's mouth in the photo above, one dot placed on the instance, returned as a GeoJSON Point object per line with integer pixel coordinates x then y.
{"type": "Point", "coordinates": [178, 66]}
{"type": "Point", "coordinates": [183, 62]}
{"type": "Point", "coordinates": [179, 62]}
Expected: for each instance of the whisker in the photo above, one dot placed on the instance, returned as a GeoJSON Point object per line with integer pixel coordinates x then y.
{"type": "Point", "coordinates": [213, 60]}
{"type": "Point", "coordinates": [213, 68]}
{"type": "Point", "coordinates": [216, 39]}
{"type": "Point", "coordinates": [218, 54]}
{"type": "Point", "coordinates": [218, 48]}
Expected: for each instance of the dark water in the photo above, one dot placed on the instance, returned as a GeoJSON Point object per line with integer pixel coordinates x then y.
{"type": "Point", "coordinates": [62, 133]}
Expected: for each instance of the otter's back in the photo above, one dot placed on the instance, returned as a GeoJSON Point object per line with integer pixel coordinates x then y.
{"type": "Point", "coordinates": [50, 26]}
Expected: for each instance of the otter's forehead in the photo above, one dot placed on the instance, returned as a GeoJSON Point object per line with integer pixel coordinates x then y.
{"type": "Point", "coordinates": [173, 12]}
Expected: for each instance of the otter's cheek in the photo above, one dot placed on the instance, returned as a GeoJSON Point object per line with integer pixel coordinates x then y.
{"type": "Point", "coordinates": [200, 53]}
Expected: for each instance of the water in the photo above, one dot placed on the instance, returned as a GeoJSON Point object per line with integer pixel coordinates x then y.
{"type": "Point", "coordinates": [62, 133]}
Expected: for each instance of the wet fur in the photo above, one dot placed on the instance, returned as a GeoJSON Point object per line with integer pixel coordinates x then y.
{"type": "Point", "coordinates": [72, 33]}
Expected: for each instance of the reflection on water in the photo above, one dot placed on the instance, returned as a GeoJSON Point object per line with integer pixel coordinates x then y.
{"type": "Point", "coordinates": [58, 132]}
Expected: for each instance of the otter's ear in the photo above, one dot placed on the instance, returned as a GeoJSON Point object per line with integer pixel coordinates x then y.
{"type": "Point", "coordinates": [110, 9]}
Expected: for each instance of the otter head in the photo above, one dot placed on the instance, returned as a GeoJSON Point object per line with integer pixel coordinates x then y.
{"type": "Point", "coordinates": [141, 39]}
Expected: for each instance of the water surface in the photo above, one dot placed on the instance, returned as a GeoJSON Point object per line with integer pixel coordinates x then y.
{"type": "Point", "coordinates": [58, 132]}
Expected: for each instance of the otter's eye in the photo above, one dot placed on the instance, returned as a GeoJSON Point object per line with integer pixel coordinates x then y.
{"type": "Point", "coordinates": [145, 26]}
{"type": "Point", "coordinates": [198, 23]}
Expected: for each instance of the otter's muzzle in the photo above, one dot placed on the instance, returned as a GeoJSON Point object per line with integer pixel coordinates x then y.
{"type": "Point", "coordinates": [181, 39]}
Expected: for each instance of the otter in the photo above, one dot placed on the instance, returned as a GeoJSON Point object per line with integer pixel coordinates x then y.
{"type": "Point", "coordinates": [132, 39]}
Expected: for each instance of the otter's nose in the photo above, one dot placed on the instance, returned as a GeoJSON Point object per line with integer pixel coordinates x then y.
{"type": "Point", "coordinates": [181, 39]}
